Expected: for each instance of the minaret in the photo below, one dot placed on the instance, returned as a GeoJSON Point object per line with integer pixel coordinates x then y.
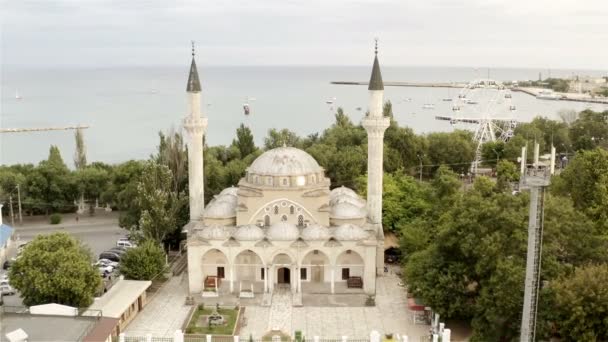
{"type": "Point", "coordinates": [196, 125]}
{"type": "Point", "coordinates": [375, 124]}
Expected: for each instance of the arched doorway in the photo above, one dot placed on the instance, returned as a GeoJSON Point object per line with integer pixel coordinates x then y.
{"type": "Point", "coordinates": [214, 269]}
{"type": "Point", "coordinates": [283, 275]}
{"type": "Point", "coordinates": [350, 269]}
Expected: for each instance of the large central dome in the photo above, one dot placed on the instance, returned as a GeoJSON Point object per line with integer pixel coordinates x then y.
{"type": "Point", "coordinates": [284, 161]}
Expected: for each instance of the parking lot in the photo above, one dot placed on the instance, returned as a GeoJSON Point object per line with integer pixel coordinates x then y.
{"type": "Point", "coordinates": [99, 233]}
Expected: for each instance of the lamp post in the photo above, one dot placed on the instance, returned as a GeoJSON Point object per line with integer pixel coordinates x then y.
{"type": "Point", "coordinates": [420, 158]}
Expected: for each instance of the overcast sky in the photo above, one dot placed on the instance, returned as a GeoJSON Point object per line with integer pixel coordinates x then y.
{"type": "Point", "coordinates": [496, 33]}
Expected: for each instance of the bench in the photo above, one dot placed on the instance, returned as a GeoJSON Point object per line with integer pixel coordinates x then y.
{"type": "Point", "coordinates": [354, 282]}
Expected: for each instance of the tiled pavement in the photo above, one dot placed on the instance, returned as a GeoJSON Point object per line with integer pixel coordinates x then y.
{"type": "Point", "coordinates": [166, 311]}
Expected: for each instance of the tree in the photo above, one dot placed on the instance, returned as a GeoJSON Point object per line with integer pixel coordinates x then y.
{"type": "Point", "coordinates": [55, 268]}
{"type": "Point", "coordinates": [80, 155]}
{"type": "Point", "coordinates": [172, 153]}
{"type": "Point", "coordinates": [143, 262]}
{"type": "Point", "coordinates": [492, 152]}
{"type": "Point", "coordinates": [158, 203]}
{"type": "Point", "coordinates": [581, 304]}
{"type": "Point", "coordinates": [456, 150]}
{"type": "Point", "coordinates": [590, 130]}
{"type": "Point", "coordinates": [244, 141]}
{"type": "Point", "coordinates": [585, 179]}
{"type": "Point", "coordinates": [506, 174]}
{"type": "Point", "coordinates": [278, 138]}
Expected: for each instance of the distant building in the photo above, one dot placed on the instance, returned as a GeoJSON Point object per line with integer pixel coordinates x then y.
{"type": "Point", "coordinates": [6, 239]}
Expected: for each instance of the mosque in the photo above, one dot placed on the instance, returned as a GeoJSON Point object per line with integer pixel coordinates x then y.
{"type": "Point", "coordinates": [283, 227]}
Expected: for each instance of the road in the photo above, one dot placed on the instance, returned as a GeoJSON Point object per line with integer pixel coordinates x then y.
{"type": "Point", "coordinates": [97, 236]}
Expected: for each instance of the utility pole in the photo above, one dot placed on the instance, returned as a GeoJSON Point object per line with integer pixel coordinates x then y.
{"type": "Point", "coordinates": [420, 158]}
{"type": "Point", "coordinates": [10, 203]}
{"type": "Point", "coordinates": [19, 204]}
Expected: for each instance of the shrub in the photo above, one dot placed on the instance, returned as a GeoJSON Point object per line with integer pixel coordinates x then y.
{"type": "Point", "coordinates": [55, 218]}
{"type": "Point", "coordinates": [143, 262]}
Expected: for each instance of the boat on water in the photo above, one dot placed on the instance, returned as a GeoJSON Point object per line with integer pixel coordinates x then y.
{"type": "Point", "coordinates": [358, 108]}
{"type": "Point", "coordinates": [469, 101]}
{"type": "Point", "coordinates": [428, 106]}
{"type": "Point", "coordinates": [330, 101]}
{"type": "Point", "coordinates": [246, 108]}
{"type": "Point", "coordinates": [446, 99]}
{"type": "Point", "coordinates": [547, 95]}
{"type": "Point", "coordinates": [17, 96]}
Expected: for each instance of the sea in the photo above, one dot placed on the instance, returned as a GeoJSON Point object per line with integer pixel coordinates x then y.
{"type": "Point", "coordinates": [126, 107]}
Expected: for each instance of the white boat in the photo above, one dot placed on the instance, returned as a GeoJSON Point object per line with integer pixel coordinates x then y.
{"type": "Point", "coordinates": [469, 101]}
{"type": "Point", "coordinates": [330, 101]}
{"type": "Point", "coordinates": [17, 96]}
{"type": "Point", "coordinates": [428, 106]}
{"type": "Point", "coordinates": [547, 95]}
{"type": "Point", "coordinates": [447, 99]}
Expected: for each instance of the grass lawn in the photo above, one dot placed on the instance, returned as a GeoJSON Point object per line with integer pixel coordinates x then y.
{"type": "Point", "coordinates": [198, 323]}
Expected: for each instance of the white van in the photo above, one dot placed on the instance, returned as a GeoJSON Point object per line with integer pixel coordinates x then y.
{"type": "Point", "coordinates": [125, 243]}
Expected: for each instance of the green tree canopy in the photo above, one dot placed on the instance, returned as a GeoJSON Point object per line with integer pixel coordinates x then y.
{"type": "Point", "coordinates": [244, 141]}
{"type": "Point", "coordinates": [143, 262]}
{"type": "Point", "coordinates": [55, 268]}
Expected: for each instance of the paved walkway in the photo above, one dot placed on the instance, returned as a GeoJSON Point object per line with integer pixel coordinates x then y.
{"type": "Point", "coordinates": [165, 313]}
{"type": "Point", "coordinates": [390, 315]}
{"type": "Point", "coordinates": [280, 310]}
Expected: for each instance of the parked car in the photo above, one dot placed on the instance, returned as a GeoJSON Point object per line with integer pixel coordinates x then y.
{"type": "Point", "coordinates": [7, 264]}
{"type": "Point", "coordinates": [107, 262]}
{"type": "Point", "coordinates": [104, 268]}
{"type": "Point", "coordinates": [7, 290]}
{"type": "Point", "coordinates": [125, 243]}
{"type": "Point", "coordinates": [117, 250]}
{"type": "Point", "coordinates": [110, 255]}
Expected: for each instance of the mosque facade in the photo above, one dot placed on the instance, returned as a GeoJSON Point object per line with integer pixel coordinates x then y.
{"type": "Point", "coordinates": [283, 226]}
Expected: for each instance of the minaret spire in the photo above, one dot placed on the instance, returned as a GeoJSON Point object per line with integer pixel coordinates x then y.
{"type": "Point", "coordinates": [375, 81]}
{"type": "Point", "coordinates": [194, 85]}
{"type": "Point", "coordinates": [195, 125]}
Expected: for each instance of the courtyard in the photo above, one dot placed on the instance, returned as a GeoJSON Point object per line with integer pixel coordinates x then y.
{"type": "Point", "coordinates": [167, 312]}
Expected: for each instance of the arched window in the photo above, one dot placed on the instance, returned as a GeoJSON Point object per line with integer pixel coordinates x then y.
{"type": "Point", "coordinates": [300, 220]}
{"type": "Point", "coordinates": [285, 181]}
{"type": "Point", "coordinates": [284, 218]}
{"type": "Point", "coordinates": [292, 210]}
{"type": "Point", "coordinates": [276, 209]}
{"type": "Point", "coordinates": [268, 180]}
{"type": "Point", "coordinates": [313, 179]}
{"type": "Point", "coordinates": [255, 179]}
{"type": "Point", "coordinates": [267, 220]}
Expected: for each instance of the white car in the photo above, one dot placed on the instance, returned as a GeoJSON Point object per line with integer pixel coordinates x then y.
{"type": "Point", "coordinates": [107, 262]}
{"type": "Point", "coordinates": [7, 290]}
{"type": "Point", "coordinates": [125, 243]}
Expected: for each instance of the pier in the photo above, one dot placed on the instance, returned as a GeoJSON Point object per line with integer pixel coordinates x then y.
{"type": "Point", "coordinates": [530, 91]}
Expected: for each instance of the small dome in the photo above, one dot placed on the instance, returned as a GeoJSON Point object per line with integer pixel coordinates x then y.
{"type": "Point", "coordinates": [229, 191]}
{"type": "Point", "coordinates": [346, 211]}
{"type": "Point", "coordinates": [342, 191]}
{"type": "Point", "coordinates": [221, 207]}
{"type": "Point", "coordinates": [350, 232]}
{"type": "Point", "coordinates": [315, 232]}
{"type": "Point", "coordinates": [359, 203]}
{"type": "Point", "coordinates": [215, 232]}
{"type": "Point", "coordinates": [249, 232]}
{"type": "Point", "coordinates": [284, 161]}
{"type": "Point", "coordinates": [283, 231]}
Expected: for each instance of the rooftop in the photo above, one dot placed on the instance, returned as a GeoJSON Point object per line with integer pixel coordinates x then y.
{"type": "Point", "coordinates": [284, 161]}
{"type": "Point", "coordinates": [116, 301]}
{"type": "Point", "coordinates": [47, 328]}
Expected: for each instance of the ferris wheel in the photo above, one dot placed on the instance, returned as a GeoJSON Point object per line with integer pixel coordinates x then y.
{"type": "Point", "coordinates": [484, 106]}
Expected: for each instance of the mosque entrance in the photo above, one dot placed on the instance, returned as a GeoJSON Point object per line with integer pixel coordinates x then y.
{"type": "Point", "coordinates": [284, 275]}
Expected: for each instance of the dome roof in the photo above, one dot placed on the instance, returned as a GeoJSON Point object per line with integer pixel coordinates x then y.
{"type": "Point", "coordinates": [358, 202]}
{"type": "Point", "coordinates": [343, 191]}
{"type": "Point", "coordinates": [344, 210]}
{"type": "Point", "coordinates": [221, 206]}
{"type": "Point", "coordinates": [215, 232]}
{"type": "Point", "coordinates": [315, 232]}
{"type": "Point", "coordinates": [284, 161]}
{"type": "Point", "coordinates": [229, 191]}
{"type": "Point", "coordinates": [350, 232]}
{"type": "Point", "coordinates": [283, 231]}
{"type": "Point", "coordinates": [249, 232]}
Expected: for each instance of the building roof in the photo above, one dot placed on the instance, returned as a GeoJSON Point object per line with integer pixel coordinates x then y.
{"type": "Point", "coordinates": [346, 210]}
{"type": "Point", "coordinates": [283, 231]}
{"type": "Point", "coordinates": [194, 85]}
{"type": "Point", "coordinates": [249, 232]}
{"type": "Point", "coordinates": [5, 234]}
{"type": "Point", "coordinates": [116, 301]}
{"type": "Point", "coordinates": [350, 232]}
{"type": "Point", "coordinates": [45, 327]}
{"type": "Point", "coordinates": [315, 232]}
{"type": "Point", "coordinates": [216, 232]}
{"type": "Point", "coordinates": [102, 330]}
{"type": "Point", "coordinates": [375, 81]}
{"type": "Point", "coordinates": [284, 161]}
